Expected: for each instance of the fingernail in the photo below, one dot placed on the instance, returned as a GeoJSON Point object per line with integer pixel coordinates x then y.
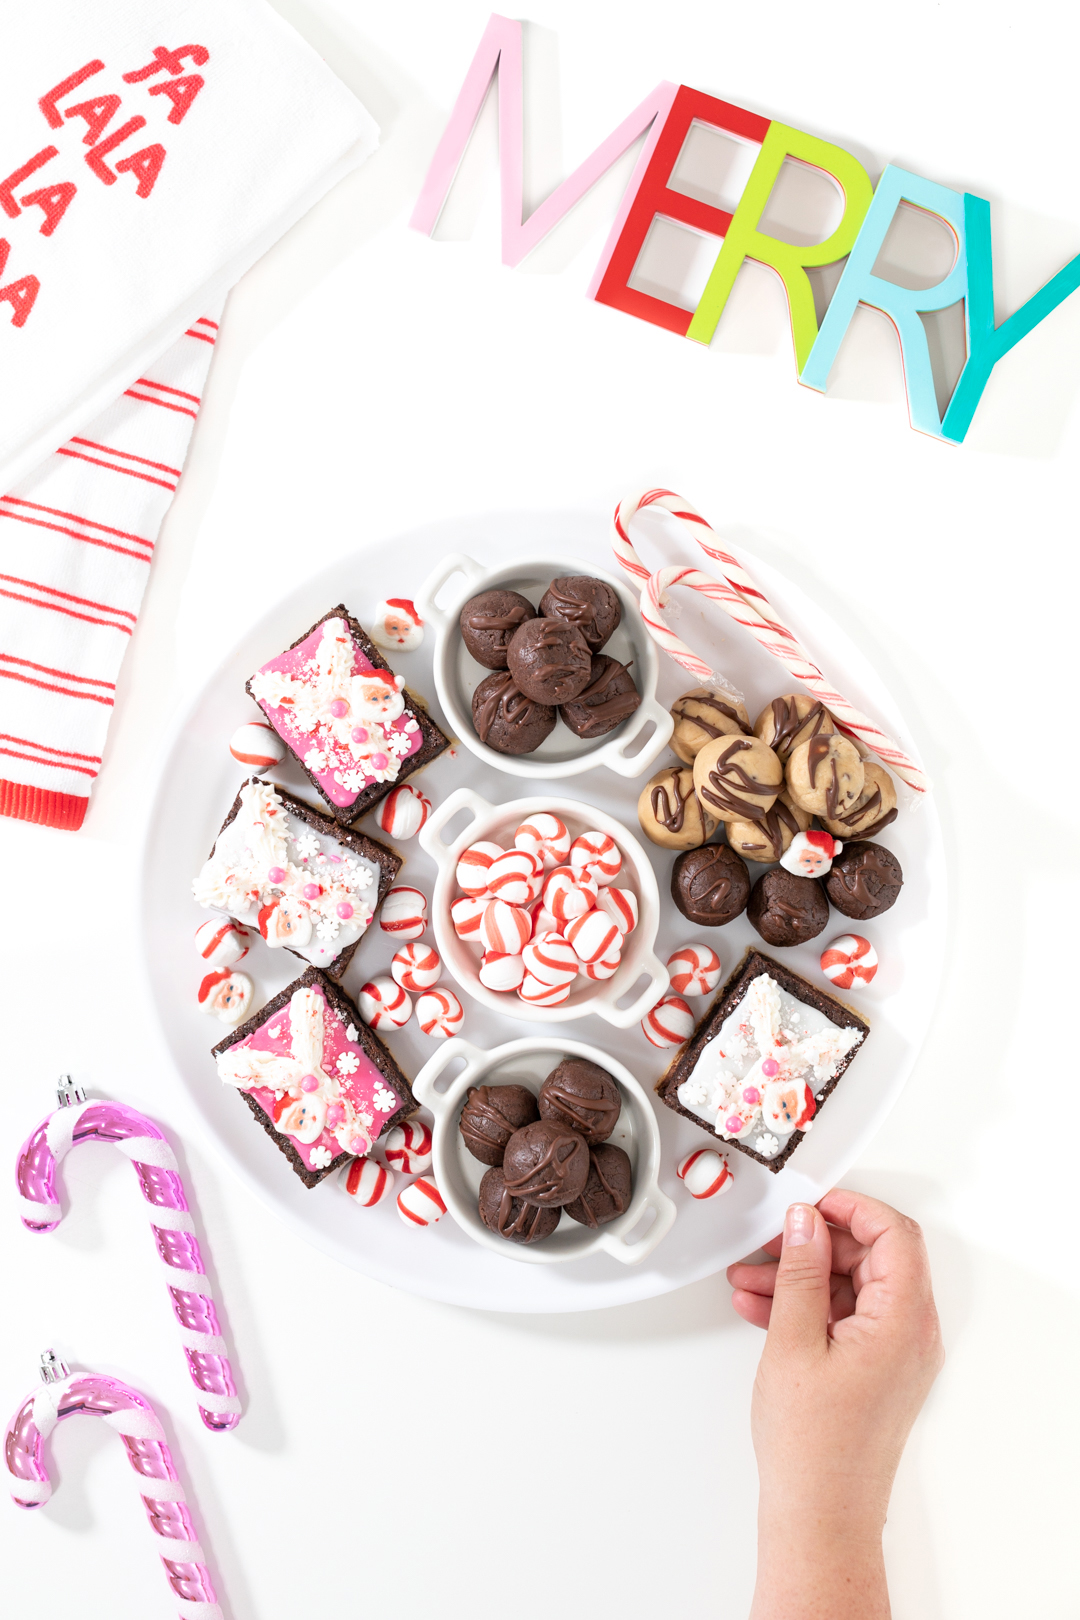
{"type": "Point", "coordinates": [799, 1225]}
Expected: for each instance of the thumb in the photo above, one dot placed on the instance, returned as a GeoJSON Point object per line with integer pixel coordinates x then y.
{"type": "Point", "coordinates": [802, 1295]}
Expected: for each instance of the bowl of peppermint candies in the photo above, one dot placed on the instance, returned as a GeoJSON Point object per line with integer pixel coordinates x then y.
{"type": "Point", "coordinates": [545, 909]}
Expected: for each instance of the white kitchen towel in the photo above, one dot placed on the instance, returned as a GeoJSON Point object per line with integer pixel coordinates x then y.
{"type": "Point", "coordinates": [150, 152]}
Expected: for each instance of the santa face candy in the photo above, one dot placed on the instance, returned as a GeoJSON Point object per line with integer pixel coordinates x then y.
{"type": "Point", "coordinates": [766, 840]}
{"type": "Point", "coordinates": [710, 885]}
{"type": "Point", "coordinates": [811, 853]}
{"type": "Point", "coordinates": [787, 722]}
{"type": "Point", "coordinates": [221, 943]}
{"type": "Point", "coordinates": [873, 810]}
{"type": "Point", "coordinates": [316, 1078]}
{"type": "Point", "coordinates": [609, 699]}
{"type": "Point", "coordinates": [403, 812]}
{"type": "Point", "coordinates": [670, 812]}
{"type": "Point", "coordinates": [507, 720]}
{"type": "Point", "coordinates": [865, 881]}
{"type": "Point", "coordinates": [583, 1097]}
{"type": "Point", "coordinates": [737, 778]}
{"type": "Point", "coordinates": [257, 746]}
{"type": "Point", "coordinates": [549, 660]}
{"type": "Point", "coordinates": [849, 960]}
{"type": "Point", "coordinates": [512, 1218]}
{"type": "Point", "coordinates": [226, 995]}
{"type": "Point", "coordinates": [343, 713]}
{"type": "Point", "coordinates": [702, 715]}
{"type": "Point", "coordinates": [545, 1164]}
{"type": "Point", "coordinates": [397, 625]}
{"type": "Point", "coordinates": [489, 620]}
{"type": "Point", "coordinates": [825, 776]}
{"type": "Point", "coordinates": [589, 604]}
{"type": "Point", "coordinates": [305, 883]}
{"type": "Point", "coordinates": [763, 1061]}
{"type": "Point", "coordinates": [490, 1117]}
{"type": "Point", "coordinates": [787, 910]}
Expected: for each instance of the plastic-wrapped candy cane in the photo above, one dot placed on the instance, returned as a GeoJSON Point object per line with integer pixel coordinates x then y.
{"type": "Point", "coordinates": [65, 1394]}
{"type": "Point", "coordinates": [748, 605]}
{"type": "Point", "coordinates": [141, 1141]}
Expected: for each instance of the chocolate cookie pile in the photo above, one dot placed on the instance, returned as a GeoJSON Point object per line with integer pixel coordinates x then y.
{"type": "Point", "coordinates": [547, 663]}
{"type": "Point", "coordinates": [548, 1153]}
{"type": "Point", "coordinates": [773, 787]}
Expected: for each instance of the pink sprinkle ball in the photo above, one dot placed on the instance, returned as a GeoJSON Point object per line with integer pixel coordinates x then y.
{"type": "Point", "coordinates": [770, 1067]}
{"type": "Point", "coordinates": [312, 891]}
{"type": "Point", "coordinates": [276, 874]}
{"type": "Point", "coordinates": [339, 708]}
{"type": "Point", "coordinates": [380, 761]}
{"type": "Point", "coordinates": [751, 1095]}
{"type": "Point", "coordinates": [734, 1124]}
{"type": "Point", "coordinates": [309, 1083]}
{"type": "Point", "coordinates": [359, 734]}
{"type": "Point", "coordinates": [344, 911]}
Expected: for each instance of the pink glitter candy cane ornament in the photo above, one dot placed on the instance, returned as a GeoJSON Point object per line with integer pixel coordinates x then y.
{"type": "Point", "coordinates": [141, 1141]}
{"type": "Point", "coordinates": [748, 605]}
{"type": "Point", "coordinates": [66, 1394]}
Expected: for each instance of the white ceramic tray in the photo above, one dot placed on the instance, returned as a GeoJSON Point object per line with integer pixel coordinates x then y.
{"type": "Point", "coordinates": [198, 784]}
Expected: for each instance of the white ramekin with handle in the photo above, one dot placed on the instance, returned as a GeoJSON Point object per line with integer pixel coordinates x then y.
{"type": "Point", "coordinates": [498, 823]}
{"type": "Point", "coordinates": [626, 750]}
{"type": "Point", "coordinates": [527, 1062]}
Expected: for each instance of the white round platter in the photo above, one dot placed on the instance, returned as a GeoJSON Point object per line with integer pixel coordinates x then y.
{"type": "Point", "coordinates": [199, 782]}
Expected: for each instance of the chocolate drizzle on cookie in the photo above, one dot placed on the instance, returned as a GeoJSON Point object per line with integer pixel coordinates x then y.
{"type": "Point", "coordinates": [787, 722]}
{"type": "Point", "coordinates": [666, 813]}
{"type": "Point", "coordinates": [727, 779]}
{"type": "Point", "coordinates": [819, 748]}
{"type": "Point", "coordinates": [502, 700]}
{"type": "Point", "coordinates": [717, 705]}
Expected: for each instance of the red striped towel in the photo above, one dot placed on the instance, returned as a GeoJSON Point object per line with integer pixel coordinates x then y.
{"type": "Point", "coordinates": [76, 541]}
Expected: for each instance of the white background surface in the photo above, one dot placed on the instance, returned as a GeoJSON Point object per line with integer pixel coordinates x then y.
{"type": "Point", "coordinates": [399, 1455]}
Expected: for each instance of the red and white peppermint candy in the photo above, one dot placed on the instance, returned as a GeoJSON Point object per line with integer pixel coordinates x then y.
{"type": "Point", "coordinates": [384, 1004]}
{"type": "Point", "coordinates": [421, 1203]}
{"type": "Point", "coordinates": [594, 936]}
{"type": "Point", "coordinates": [404, 913]}
{"type": "Point", "coordinates": [226, 995]}
{"type": "Point", "coordinates": [551, 959]}
{"type": "Point", "coordinates": [542, 995]}
{"type": "Point", "coordinates": [621, 905]}
{"type": "Point", "coordinates": [542, 920]}
{"type": "Point", "coordinates": [544, 835]}
{"type": "Point", "coordinates": [416, 967]}
{"type": "Point", "coordinates": [705, 1173]}
{"type": "Point", "coordinates": [465, 914]}
{"type": "Point", "coordinates": [221, 942]}
{"type": "Point", "coordinates": [501, 971]}
{"type": "Point", "coordinates": [439, 1013]}
{"type": "Point", "coordinates": [849, 960]}
{"type": "Point", "coordinates": [408, 1147]}
{"type": "Point", "coordinates": [257, 744]}
{"type": "Point", "coordinates": [670, 1022]}
{"type": "Point", "coordinates": [403, 812]}
{"type": "Point", "coordinates": [694, 969]}
{"type": "Point", "coordinates": [367, 1182]}
{"type": "Point", "coordinates": [515, 876]}
{"type": "Point", "coordinates": [568, 894]}
{"type": "Point", "coordinates": [473, 864]}
{"type": "Point", "coordinates": [598, 854]}
{"type": "Point", "coordinates": [504, 927]}
{"type": "Point", "coordinates": [605, 968]}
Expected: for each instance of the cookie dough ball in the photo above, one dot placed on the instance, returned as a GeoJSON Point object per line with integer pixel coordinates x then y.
{"type": "Point", "coordinates": [710, 885]}
{"type": "Point", "coordinates": [872, 811]}
{"type": "Point", "coordinates": [589, 603]}
{"type": "Point", "coordinates": [512, 1218]}
{"type": "Point", "coordinates": [670, 812]}
{"type": "Point", "coordinates": [766, 841]}
{"type": "Point", "coordinates": [606, 702]}
{"type": "Point", "coordinates": [506, 719]}
{"type": "Point", "coordinates": [701, 715]}
{"type": "Point", "coordinates": [608, 1190]}
{"type": "Point", "coordinates": [825, 775]}
{"type": "Point", "coordinates": [546, 1164]}
{"type": "Point", "coordinates": [787, 910]}
{"type": "Point", "coordinates": [865, 880]}
{"type": "Point", "coordinates": [737, 778]}
{"type": "Point", "coordinates": [550, 660]}
{"type": "Point", "coordinates": [489, 620]}
{"type": "Point", "coordinates": [788, 721]}
{"type": "Point", "coordinates": [490, 1117]}
{"type": "Point", "coordinates": [583, 1097]}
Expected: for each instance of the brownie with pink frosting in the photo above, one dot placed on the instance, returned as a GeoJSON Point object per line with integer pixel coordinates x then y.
{"type": "Point", "coordinates": [351, 723]}
{"type": "Point", "coordinates": [319, 1081]}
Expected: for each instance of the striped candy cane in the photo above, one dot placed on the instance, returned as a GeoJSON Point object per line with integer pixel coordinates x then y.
{"type": "Point", "coordinates": [131, 1415]}
{"type": "Point", "coordinates": [141, 1141]}
{"type": "Point", "coordinates": [748, 606]}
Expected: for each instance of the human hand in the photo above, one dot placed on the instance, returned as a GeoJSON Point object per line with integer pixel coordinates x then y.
{"type": "Point", "coordinates": [853, 1347]}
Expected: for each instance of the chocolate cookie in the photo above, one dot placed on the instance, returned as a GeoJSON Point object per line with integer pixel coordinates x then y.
{"type": "Point", "coordinates": [550, 660]}
{"type": "Point", "coordinates": [872, 811]}
{"type": "Point", "coordinates": [670, 812]}
{"type": "Point", "coordinates": [583, 1097]}
{"type": "Point", "coordinates": [710, 885]}
{"type": "Point", "coordinates": [506, 719]}
{"type": "Point", "coordinates": [788, 721]}
{"type": "Point", "coordinates": [825, 775]}
{"type": "Point", "coordinates": [608, 1190]}
{"type": "Point", "coordinates": [701, 715]}
{"type": "Point", "coordinates": [511, 1217]}
{"type": "Point", "coordinates": [589, 603]}
{"type": "Point", "coordinates": [767, 840]}
{"type": "Point", "coordinates": [489, 620]}
{"type": "Point", "coordinates": [545, 1164]}
{"type": "Point", "coordinates": [787, 910]}
{"type": "Point", "coordinates": [737, 778]}
{"type": "Point", "coordinates": [865, 881]}
{"type": "Point", "coordinates": [606, 702]}
{"type": "Point", "coordinates": [490, 1117]}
